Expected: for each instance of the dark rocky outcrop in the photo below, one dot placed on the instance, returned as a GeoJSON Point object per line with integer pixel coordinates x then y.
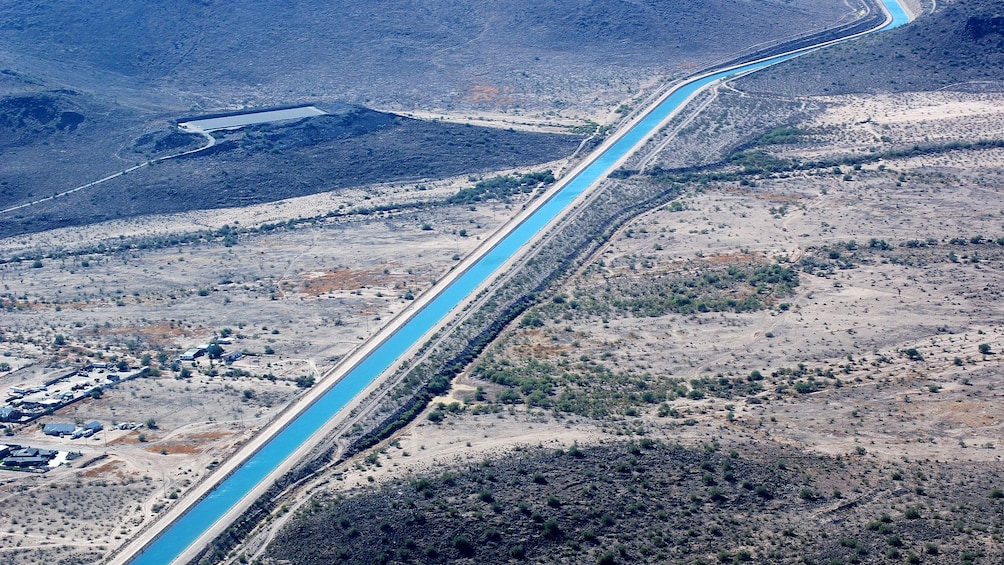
{"type": "Point", "coordinates": [978, 27]}
{"type": "Point", "coordinates": [27, 118]}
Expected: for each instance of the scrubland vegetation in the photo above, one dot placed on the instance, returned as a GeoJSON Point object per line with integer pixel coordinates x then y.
{"type": "Point", "coordinates": [644, 501]}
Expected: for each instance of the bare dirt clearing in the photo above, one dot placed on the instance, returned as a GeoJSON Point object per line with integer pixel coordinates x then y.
{"type": "Point", "coordinates": [294, 299]}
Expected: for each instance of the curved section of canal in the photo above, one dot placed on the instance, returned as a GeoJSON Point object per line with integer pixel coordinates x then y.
{"type": "Point", "coordinates": [178, 536]}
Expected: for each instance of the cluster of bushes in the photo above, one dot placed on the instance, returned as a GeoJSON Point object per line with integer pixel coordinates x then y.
{"type": "Point", "coordinates": [758, 162]}
{"type": "Point", "coordinates": [721, 386]}
{"type": "Point", "coordinates": [502, 188]}
{"type": "Point", "coordinates": [626, 502]}
{"type": "Point", "coordinates": [782, 135]}
{"type": "Point", "coordinates": [802, 379]}
{"type": "Point", "coordinates": [534, 378]}
{"type": "Point", "coordinates": [585, 388]}
{"type": "Point", "coordinates": [736, 289]}
{"type": "Point", "coordinates": [824, 260]}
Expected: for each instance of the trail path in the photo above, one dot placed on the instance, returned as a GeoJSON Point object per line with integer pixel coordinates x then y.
{"type": "Point", "coordinates": [210, 141]}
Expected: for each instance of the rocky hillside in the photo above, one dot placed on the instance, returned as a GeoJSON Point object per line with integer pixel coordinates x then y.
{"type": "Point", "coordinates": [644, 502]}
{"type": "Point", "coordinates": [400, 53]}
{"type": "Point", "coordinates": [961, 45]}
{"type": "Point", "coordinates": [352, 147]}
{"type": "Point", "coordinates": [91, 88]}
{"type": "Point", "coordinates": [25, 119]}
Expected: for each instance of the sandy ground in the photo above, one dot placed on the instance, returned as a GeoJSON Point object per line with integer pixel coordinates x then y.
{"type": "Point", "coordinates": [861, 318]}
{"type": "Point", "coordinates": [917, 7]}
{"type": "Point", "coordinates": [869, 124]}
{"type": "Point", "coordinates": [250, 216]}
{"type": "Point", "coordinates": [296, 301]}
{"type": "Point", "coordinates": [288, 289]}
{"type": "Point", "coordinates": [857, 322]}
{"type": "Point", "coordinates": [589, 109]}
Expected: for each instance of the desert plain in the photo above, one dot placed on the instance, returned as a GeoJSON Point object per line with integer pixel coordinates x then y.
{"type": "Point", "coordinates": [899, 254]}
{"type": "Point", "coordinates": [808, 334]}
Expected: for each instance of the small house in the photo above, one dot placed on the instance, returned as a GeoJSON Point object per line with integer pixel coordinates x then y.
{"type": "Point", "coordinates": [25, 461]}
{"type": "Point", "coordinates": [193, 353]}
{"type": "Point", "coordinates": [58, 429]}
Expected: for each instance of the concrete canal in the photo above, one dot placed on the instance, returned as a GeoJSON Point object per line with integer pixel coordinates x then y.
{"type": "Point", "coordinates": [176, 538]}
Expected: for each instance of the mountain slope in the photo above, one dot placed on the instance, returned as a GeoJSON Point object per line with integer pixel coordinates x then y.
{"type": "Point", "coordinates": [398, 53]}
{"type": "Point", "coordinates": [959, 45]}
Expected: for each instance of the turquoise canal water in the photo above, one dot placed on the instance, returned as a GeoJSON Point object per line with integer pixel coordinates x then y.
{"type": "Point", "coordinates": [189, 527]}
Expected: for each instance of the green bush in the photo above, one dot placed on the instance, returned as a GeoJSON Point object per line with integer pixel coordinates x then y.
{"type": "Point", "coordinates": [551, 529]}
{"type": "Point", "coordinates": [517, 552]}
{"type": "Point", "coordinates": [462, 544]}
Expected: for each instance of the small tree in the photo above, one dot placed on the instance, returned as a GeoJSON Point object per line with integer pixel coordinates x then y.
{"type": "Point", "coordinates": [463, 545]}
{"type": "Point", "coordinates": [214, 351]}
{"type": "Point", "coordinates": [985, 348]}
{"type": "Point", "coordinates": [551, 529]}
